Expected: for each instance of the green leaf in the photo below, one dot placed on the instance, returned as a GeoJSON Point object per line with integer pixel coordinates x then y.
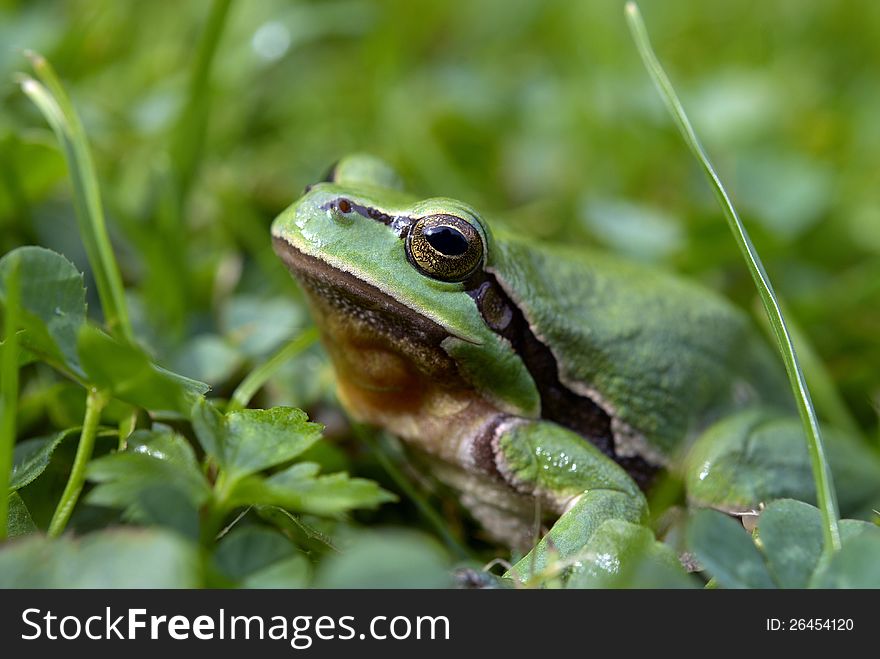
{"type": "Point", "coordinates": [53, 301]}
{"type": "Point", "coordinates": [855, 565]}
{"type": "Point", "coordinates": [304, 532]}
{"type": "Point", "coordinates": [850, 528]}
{"type": "Point", "coordinates": [292, 572]}
{"type": "Point", "coordinates": [127, 372]}
{"type": "Point", "coordinates": [726, 551]}
{"type": "Point", "coordinates": [249, 549]}
{"type": "Point", "coordinates": [170, 507]}
{"type": "Point", "coordinates": [209, 358]}
{"type": "Point", "coordinates": [626, 555]}
{"type": "Point", "coordinates": [108, 559]}
{"type": "Point", "coordinates": [258, 439]}
{"type": "Point", "coordinates": [392, 558]}
{"type": "Point", "coordinates": [43, 494]}
{"type": "Point", "coordinates": [210, 428]}
{"type": "Point", "coordinates": [153, 460]}
{"type": "Point", "coordinates": [299, 488]}
{"type": "Point", "coordinates": [258, 326]}
{"type": "Point", "coordinates": [19, 521]}
{"type": "Point", "coordinates": [249, 441]}
{"type": "Point", "coordinates": [32, 456]}
{"type": "Point", "coordinates": [638, 231]}
{"type": "Point", "coordinates": [791, 534]}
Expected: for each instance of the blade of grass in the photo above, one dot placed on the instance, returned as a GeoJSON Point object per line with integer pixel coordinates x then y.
{"type": "Point", "coordinates": [56, 107]}
{"type": "Point", "coordinates": [189, 132]}
{"type": "Point", "coordinates": [258, 377]}
{"type": "Point", "coordinates": [185, 148]}
{"type": "Point", "coordinates": [8, 390]}
{"type": "Point", "coordinates": [825, 493]}
{"type": "Point", "coordinates": [387, 462]}
{"type": "Point", "coordinates": [826, 397]}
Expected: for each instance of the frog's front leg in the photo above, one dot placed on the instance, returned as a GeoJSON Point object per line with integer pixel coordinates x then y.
{"type": "Point", "coordinates": [571, 477]}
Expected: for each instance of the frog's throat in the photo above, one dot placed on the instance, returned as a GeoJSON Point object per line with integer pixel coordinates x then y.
{"type": "Point", "coordinates": [391, 368]}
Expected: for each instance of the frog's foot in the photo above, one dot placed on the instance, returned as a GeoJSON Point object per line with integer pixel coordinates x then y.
{"type": "Point", "coordinates": [559, 551]}
{"type": "Point", "coordinates": [467, 578]}
{"type": "Point", "coordinates": [571, 478]}
{"type": "Point", "coordinates": [758, 455]}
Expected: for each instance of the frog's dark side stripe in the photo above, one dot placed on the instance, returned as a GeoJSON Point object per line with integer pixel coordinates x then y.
{"type": "Point", "coordinates": [558, 403]}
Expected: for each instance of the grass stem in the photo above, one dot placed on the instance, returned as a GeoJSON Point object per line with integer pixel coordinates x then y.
{"type": "Point", "coordinates": [189, 133]}
{"type": "Point", "coordinates": [9, 389]}
{"type": "Point", "coordinates": [386, 461]}
{"type": "Point", "coordinates": [825, 492]}
{"type": "Point", "coordinates": [258, 377]}
{"type": "Point", "coordinates": [53, 102]}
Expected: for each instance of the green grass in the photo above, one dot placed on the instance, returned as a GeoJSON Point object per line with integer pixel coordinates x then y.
{"type": "Point", "coordinates": [56, 107]}
{"type": "Point", "coordinates": [258, 377]}
{"type": "Point", "coordinates": [9, 388]}
{"type": "Point", "coordinates": [821, 469]}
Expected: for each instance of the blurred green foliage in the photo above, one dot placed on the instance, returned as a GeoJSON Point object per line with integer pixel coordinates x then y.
{"type": "Point", "coordinates": [538, 112]}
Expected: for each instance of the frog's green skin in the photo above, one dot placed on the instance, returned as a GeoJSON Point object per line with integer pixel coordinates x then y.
{"type": "Point", "coordinates": [555, 373]}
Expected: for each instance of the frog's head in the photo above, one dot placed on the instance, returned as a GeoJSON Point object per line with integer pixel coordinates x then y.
{"type": "Point", "coordinates": [359, 220]}
{"type": "Point", "coordinates": [398, 288]}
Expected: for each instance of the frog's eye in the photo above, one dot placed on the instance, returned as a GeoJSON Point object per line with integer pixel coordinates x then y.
{"type": "Point", "coordinates": [444, 247]}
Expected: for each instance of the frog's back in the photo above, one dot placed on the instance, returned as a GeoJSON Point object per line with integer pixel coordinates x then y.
{"type": "Point", "coordinates": [661, 355]}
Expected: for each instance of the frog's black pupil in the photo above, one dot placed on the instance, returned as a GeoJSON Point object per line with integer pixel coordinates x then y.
{"type": "Point", "coordinates": [446, 240]}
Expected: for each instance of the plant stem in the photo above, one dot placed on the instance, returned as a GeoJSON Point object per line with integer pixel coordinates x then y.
{"type": "Point", "coordinates": [211, 522]}
{"type": "Point", "coordinates": [258, 377]}
{"type": "Point", "coordinates": [210, 525]}
{"type": "Point", "coordinates": [95, 403]}
{"type": "Point", "coordinates": [59, 112]}
{"type": "Point", "coordinates": [126, 427]}
{"type": "Point", "coordinates": [9, 389]}
{"type": "Point", "coordinates": [825, 493]}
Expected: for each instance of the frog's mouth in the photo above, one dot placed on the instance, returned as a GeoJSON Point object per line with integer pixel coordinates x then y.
{"type": "Point", "coordinates": [353, 295]}
{"type": "Point", "coordinates": [377, 343]}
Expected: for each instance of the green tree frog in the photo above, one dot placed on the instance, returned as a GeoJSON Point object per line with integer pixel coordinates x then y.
{"type": "Point", "coordinates": [518, 371]}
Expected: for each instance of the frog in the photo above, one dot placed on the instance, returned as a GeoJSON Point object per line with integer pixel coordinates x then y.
{"type": "Point", "coordinates": [541, 379]}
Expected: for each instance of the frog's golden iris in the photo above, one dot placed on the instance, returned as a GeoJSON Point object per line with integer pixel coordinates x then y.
{"type": "Point", "coordinates": [444, 247]}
